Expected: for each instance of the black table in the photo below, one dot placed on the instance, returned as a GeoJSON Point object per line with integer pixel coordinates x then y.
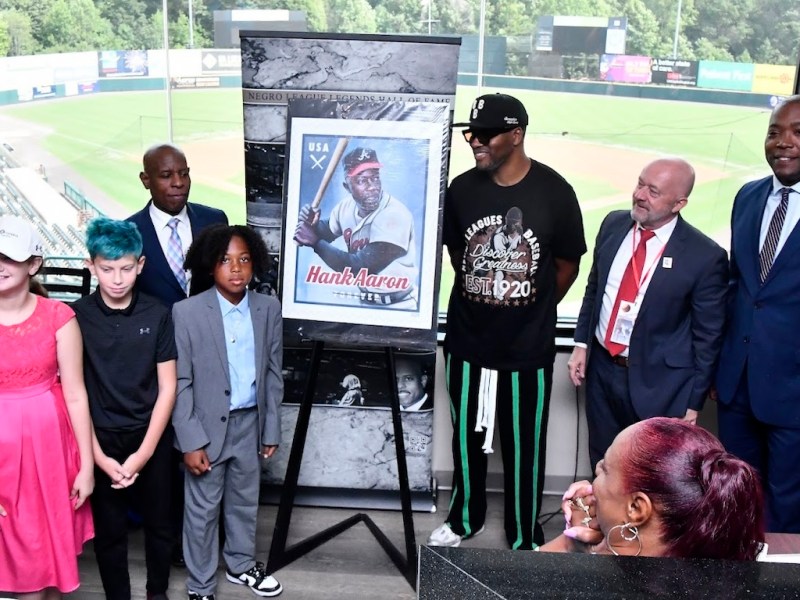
{"type": "Point", "coordinates": [478, 574]}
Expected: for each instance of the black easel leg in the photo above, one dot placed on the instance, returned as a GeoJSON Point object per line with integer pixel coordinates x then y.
{"type": "Point", "coordinates": [402, 473]}
{"type": "Point", "coordinates": [281, 531]}
{"type": "Point", "coordinates": [279, 555]}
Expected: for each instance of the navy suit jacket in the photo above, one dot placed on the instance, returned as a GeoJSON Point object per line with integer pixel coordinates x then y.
{"type": "Point", "coordinates": [763, 320]}
{"type": "Point", "coordinates": [157, 278]}
{"type": "Point", "coordinates": [677, 336]}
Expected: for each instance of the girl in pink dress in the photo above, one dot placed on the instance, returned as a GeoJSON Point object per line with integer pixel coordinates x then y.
{"type": "Point", "coordinates": [46, 468]}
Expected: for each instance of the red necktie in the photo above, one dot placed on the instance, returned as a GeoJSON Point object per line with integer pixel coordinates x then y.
{"type": "Point", "coordinates": [628, 287]}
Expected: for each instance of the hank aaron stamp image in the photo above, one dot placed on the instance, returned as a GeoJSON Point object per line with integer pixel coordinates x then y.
{"type": "Point", "coordinates": [360, 243]}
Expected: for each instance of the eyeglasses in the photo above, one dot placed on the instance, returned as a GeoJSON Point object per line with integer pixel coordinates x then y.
{"type": "Point", "coordinates": [484, 136]}
{"type": "Point", "coordinates": [363, 180]}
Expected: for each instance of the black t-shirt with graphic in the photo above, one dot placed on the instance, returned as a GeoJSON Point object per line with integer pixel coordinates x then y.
{"type": "Point", "coordinates": [503, 242]}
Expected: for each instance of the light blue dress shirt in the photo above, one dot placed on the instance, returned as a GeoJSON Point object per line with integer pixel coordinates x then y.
{"type": "Point", "coordinates": [241, 348]}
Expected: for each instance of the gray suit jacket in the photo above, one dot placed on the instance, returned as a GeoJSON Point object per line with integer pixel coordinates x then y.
{"type": "Point", "coordinates": [201, 410]}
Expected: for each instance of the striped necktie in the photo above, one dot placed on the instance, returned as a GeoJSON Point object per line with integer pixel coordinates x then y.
{"type": "Point", "coordinates": [767, 255]}
{"type": "Point", "coordinates": [175, 254]}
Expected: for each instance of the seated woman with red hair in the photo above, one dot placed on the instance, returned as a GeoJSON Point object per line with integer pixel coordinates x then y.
{"type": "Point", "coordinates": [665, 488]}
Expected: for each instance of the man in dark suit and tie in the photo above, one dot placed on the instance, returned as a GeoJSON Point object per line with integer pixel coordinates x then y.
{"type": "Point", "coordinates": [650, 326]}
{"type": "Point", "coordinates": [758, 381]}
{"type": "Point", "coordinates": [169, 223]}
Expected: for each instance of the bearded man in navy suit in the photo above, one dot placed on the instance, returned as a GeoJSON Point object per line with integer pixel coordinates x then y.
{"type": "Point", "coordinates": [758, 381]}
{"type": "Point", "coordinates": [166, 175]}
{"type": "Point", "coordinates": [652, 351]}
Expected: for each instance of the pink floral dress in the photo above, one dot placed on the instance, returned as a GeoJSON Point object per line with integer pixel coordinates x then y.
{"type": "Point", "coordinates": [42, 533]}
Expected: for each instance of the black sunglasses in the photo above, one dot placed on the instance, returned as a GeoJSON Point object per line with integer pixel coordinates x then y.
{"type": "Point", "coordinates": [484, 136]}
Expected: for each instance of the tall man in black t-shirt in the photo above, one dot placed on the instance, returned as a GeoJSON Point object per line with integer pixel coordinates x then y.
{"type": "Point", "coordinates": [514, 232]}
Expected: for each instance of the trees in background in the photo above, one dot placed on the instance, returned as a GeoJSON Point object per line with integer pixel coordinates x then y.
{"type": "Point", "coordinates": [766, 31]}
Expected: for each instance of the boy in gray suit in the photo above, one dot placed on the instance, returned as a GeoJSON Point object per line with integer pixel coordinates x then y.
{"type": "Point", "coordinates": [226, 416]}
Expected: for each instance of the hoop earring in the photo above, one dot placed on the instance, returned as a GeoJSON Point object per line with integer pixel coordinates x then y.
{"type": "Point", "coordinates": [633, 534]}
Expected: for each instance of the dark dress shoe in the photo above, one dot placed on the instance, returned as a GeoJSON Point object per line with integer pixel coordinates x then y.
{"type": "Point", "coordinates": [177, 559]}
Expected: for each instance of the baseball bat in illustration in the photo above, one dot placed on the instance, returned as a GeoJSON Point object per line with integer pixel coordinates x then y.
{"type": "Point", "coordinates": [341, 146]}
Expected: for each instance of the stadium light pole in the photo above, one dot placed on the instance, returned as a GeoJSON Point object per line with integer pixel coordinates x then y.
{"type": "Point", "coordinates": [481, 33]}
{"type": "Point", "coordinates": [430, 13]}
{"type": "Point", "coordinates": [168, 82]}
{"type": "Point", "coordinates": [430, 20]}
{"type": "Point", "coordinates": [191, 26]}
{"type": "Point", "coordinates": [677, 31]}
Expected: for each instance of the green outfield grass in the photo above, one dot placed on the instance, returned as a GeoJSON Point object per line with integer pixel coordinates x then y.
{"type": "Point", "coordinates": [103, 136]}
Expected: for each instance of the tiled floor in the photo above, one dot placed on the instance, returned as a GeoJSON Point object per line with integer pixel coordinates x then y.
{"type": "Point", "coordinates": [352, 565]}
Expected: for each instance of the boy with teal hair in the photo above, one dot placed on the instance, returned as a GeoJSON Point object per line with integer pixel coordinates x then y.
{"type": "Point", "coordinates": [129, 367]}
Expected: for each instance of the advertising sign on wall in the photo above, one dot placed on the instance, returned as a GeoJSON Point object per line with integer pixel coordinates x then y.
{"type": "Point", "coordinates": [122, 63]}
{"type": "Point", "coordinates": [621, 68]}
{"type": "Point", "coordinates": [672, 71]}
{"type": "Point", "coordinates": [725, 75]}
{"type": "Point", "coordinates": [222, 61]}
{"type": "Point", "coordinates": [773, 79]}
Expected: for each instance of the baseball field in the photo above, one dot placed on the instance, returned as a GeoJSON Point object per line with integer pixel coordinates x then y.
{"type": "Point", "coordinates": [599, 144]}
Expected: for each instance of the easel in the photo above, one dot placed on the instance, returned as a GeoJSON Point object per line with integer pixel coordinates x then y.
{"type": "Point", "coordinates": [279, 554]}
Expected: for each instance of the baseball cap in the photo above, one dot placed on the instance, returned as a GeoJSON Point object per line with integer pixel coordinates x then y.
{"type": "Point", "coordinates": [18, 239]}
{"type": "Point", "coordinates": [496, 111]}
{"type": "Point", "coordinates": [359, 160]}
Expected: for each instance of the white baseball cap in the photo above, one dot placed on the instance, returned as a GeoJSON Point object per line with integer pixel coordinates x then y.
{"type": "Point", "coordinates": [19, 240]}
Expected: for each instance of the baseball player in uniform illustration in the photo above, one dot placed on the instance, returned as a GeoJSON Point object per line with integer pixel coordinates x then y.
{"type": "Point", "coordinates": [378, 232]}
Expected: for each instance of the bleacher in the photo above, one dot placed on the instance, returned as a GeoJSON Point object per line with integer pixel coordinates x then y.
{"type": "Point", "coordinates": [25, 193]}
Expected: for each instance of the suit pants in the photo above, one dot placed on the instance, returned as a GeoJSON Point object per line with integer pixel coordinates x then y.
{"type": "Point", "coordinates": [235, 476]}
{"type": "Point", "coordinates": [609, 409]}
{"type": "Point", "coordinates": [772, 450]}
{"type": "Point", "coordinates": [522, 406]}
{"type": "Point", "coordinates": [110, 511]}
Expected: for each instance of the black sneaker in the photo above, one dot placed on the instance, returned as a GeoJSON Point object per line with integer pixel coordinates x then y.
{"type": "Point", "coordinates": [193, 596]}
{"type": "Point", "coordinates": [257, 579]}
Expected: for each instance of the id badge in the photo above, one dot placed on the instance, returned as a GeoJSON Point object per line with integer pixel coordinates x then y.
{"type": "Point", "coordinates": [623, 326]}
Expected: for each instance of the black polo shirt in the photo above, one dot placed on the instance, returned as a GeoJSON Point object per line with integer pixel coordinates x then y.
{"type": "Point", "coordinates": [121, 351]}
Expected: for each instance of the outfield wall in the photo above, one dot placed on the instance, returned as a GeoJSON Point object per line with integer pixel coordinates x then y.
{"type": "Point", "coordinates": [144, 84]}
{"type": "Point", "coordinates": [648, 92]}
{"type": "Point", "coordinates": [37, 77]}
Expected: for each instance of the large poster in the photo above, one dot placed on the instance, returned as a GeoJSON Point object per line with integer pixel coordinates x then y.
{"type": "Point", "coordinates": [382, 100]}
{"type": "Point", "coordinates": [363, 207]}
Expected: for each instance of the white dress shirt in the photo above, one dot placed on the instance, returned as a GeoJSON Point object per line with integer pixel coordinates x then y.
{"type": "Point", "coordinates": [621, 260]}
{"type": "Point", "coordinates": [161, 221]}
{"type": "Point", "coordinates": [792, 213]}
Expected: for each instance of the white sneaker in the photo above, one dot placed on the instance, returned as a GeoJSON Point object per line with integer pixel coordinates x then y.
{"type": "Point", "coordinates": [444, 536]}
{"type": "Point", "coordinates": [257, 580]}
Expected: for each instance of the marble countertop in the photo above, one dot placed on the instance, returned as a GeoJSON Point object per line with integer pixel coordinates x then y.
{"type": "Point", "coordinates": [454, 573]}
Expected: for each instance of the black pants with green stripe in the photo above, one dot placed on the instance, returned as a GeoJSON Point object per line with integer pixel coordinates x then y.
{"type": "Point", "coordinates": [522, 405]}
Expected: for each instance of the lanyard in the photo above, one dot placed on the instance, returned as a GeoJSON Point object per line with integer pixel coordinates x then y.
{"type": "Point", "coordinates": [640, 280]}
